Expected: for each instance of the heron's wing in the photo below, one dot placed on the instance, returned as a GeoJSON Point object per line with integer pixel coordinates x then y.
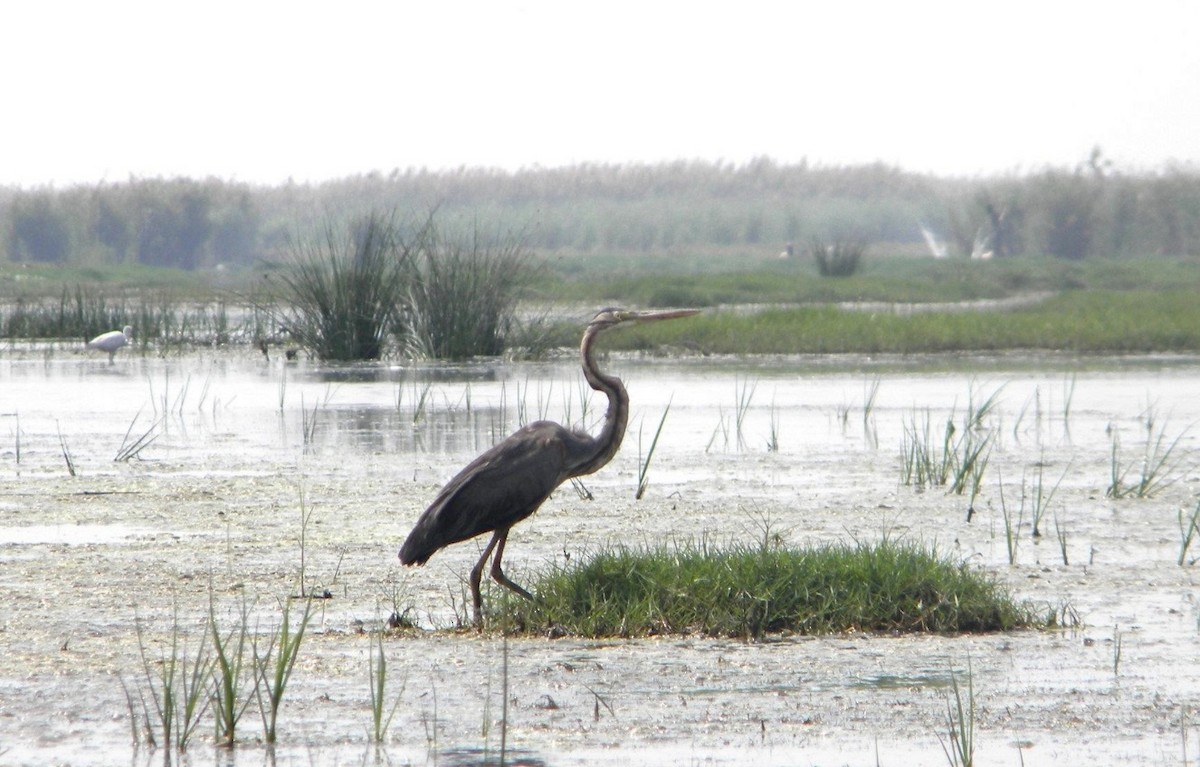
{"type": "Point", "coordinates": [499, 488]}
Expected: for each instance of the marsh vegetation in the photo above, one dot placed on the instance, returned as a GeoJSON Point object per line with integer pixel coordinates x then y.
{"type": "Point", "coordinates": [753, 590]}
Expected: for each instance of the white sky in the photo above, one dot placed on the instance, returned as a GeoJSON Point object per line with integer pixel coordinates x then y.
{"type": "Point", "coordinates": [260, 91]}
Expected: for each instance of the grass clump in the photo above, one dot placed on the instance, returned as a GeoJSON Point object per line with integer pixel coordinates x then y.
{"type": "Point", "coordinates": [462, 299]}
{"type": "Point", "coordinates": [840, 259]}
{"type": "Point", "coordinates": [1086, 322]}
{"type": "Point", "coordinates": [343, 291]}
{"type": "Point", "coordinates": [755, 590]}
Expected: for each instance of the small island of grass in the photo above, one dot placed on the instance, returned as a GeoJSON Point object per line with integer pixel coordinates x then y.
{"type": "Point", "coordinates": [756, 590]}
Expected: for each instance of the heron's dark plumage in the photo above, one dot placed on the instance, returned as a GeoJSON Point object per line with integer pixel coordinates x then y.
{"type": "Point", "coordinates": [498, 489]}
{"type": "Point", "coordinates": [511, 480]}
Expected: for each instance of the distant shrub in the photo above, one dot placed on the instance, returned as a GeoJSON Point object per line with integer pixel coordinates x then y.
{"type": "Point", "coordinates": [841, 259]}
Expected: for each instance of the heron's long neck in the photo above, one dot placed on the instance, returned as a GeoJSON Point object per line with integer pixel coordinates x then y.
{"type": "Point", "coordinates": [609, 440]}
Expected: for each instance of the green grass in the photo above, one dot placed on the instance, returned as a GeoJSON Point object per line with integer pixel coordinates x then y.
{"type": "Point", "coordinates": [50, 280]}
{"type": "Point", "coordinates": [1099, 321]}
{"type": "Point", "coordinates": [752, 591]}
{"type": "Point", "coordinates": [890, 279]}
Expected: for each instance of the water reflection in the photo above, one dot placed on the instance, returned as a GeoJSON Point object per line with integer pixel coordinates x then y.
{"type": "Point", "coordinates": [373, 429]}
{"type": "Point", "coordinates": [475, 757]}
{"type": "Point", "coordinates": [462, 373]}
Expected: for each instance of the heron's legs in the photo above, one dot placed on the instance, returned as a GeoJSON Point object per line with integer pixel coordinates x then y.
{"type": "Point", "coordinates": [497, 543]}
{"type": "Point", "coordinates": [498, 575]}
{"type": "Point", "coordinates": [477, 575]}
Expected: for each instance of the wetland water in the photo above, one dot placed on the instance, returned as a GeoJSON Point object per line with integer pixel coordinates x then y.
{"type": "Point", "coordinates": [244, 448]}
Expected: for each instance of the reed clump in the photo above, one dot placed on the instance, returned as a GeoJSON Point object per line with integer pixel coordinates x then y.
{"type": "Point", "coordinates": [462, 293]}
{"type": "Point", "coordinates": [423, 290]}
{"type": "Point", "coordinates": [838, 259]}
{"type": "Point", "coordinates": [755, 590]}
{"type": "Point", "coordinates": [343, 291]}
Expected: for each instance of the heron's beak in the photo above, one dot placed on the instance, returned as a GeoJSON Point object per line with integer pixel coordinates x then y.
{"type": "Point", "coordinates": [653, 316]}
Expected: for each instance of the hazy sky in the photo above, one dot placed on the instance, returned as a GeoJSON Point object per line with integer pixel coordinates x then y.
{"type": "Point", "coordinates": [261, 91]}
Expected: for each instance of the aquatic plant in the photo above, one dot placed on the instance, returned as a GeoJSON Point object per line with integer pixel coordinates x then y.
{"type": "Point", "coordinates": [132, 448]}
{"type": "Point", "coordinates": [644, 463]}
{"type": "Point", "coordinates": [377, 674]}
{"type": "Point", "coordinates": [978, 411]}
{"type": "Point", "coordinates": [273, 665]}
{"type": "Point", "coordinates": [773, 439]}
{"type": "Point", "coordinates": [842, 415]}
{"type": "Point", "coordinates": [66, 452]}
{"type": "Point", "coordinates": [1189, 526]}
{"type": "Point", "coordinates": [869, 399]}
{"type": "Point", "coordinates": [919, 463]}
{"type": "Point", "coordinates": [137, 735]}
{"type": "Point", "coordinates": [420, 397]}
{"type": "Point", "coordinates": [721, 429]}
{"type": "Point", "coordinates": [960, 722]}
{"type": "Point", "coordinates": [1068, 398]}
{"type": "Point", "coordinates": [230, 698]}
{"type": "Point", "coordinates": [343, 291]}
{"type": "Point", "coordinates": [962, 457]}
{"type": "Point", "coordinates": [178, 689]}
{"type": "Point", "coordinates": [1012, 520]}
{"type": "Point", "coordinates": [462, 292]}
{"type": "Point", "coordinates": [1035, 400]}
{"type": "Point", "coordinates": [1041, 497]}
{"type": "Point", "coordinates": [744, 391]}
{"type": "Point", "coordinates": [1060, 534]}
{"type": "Point", "coordinates": [754, 590]}
{"type": "Point", "coordinates": [308, 422]}
{"type": "Point", "coordinates": [1155, 467]}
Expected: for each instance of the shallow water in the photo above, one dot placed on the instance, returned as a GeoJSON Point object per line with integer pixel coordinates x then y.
{"type": "Point", "coordinates": [243, 448]}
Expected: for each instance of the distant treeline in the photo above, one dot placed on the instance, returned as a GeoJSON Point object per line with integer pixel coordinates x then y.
{"type": "Point", "coordinates": [663, 209]}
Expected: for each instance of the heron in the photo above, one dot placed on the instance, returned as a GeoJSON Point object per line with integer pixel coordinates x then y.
{"type": "Point", "coordinates": [111, 341]}
{"type": "Point", "coordinates": [510, 480]}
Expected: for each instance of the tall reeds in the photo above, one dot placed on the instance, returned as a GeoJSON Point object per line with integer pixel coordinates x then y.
{"type": "Point", "coordinates": [462, 293]}
{"type": "Point", "coordinates": [344, 290]}
{"type": "Point", "coordinates": [440, 294]}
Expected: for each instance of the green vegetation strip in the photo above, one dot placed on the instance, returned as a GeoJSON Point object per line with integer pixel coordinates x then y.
{"type": "Point", "coordinates": [1094, 321]}
{"type": "Point", "coordinates": [752, 591]}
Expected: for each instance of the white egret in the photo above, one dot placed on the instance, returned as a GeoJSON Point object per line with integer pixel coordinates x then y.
{"type": "Point", "coordinates": [937, 248]}
{"type": "Point", "coordinates": [111, 341]}
{"type": "Point", "coordinates": [980, 250]}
